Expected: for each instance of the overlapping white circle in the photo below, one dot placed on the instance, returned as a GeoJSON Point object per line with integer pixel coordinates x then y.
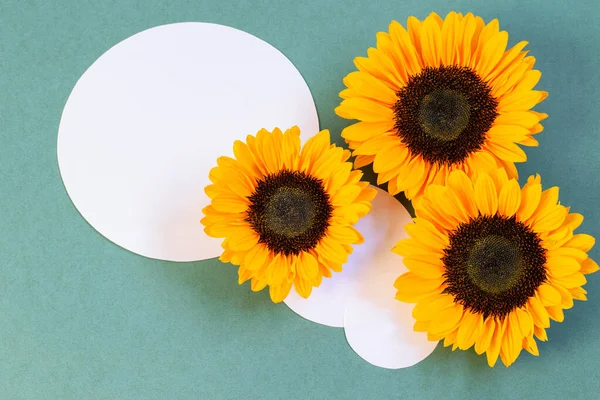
{"type": "Point", "coordinates": [361, 298]}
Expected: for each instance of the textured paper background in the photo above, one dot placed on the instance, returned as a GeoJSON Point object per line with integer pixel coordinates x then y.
{"type": "Point", "coordinates": [81, 318]}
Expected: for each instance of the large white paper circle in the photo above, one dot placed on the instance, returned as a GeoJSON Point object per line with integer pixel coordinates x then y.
{"type": "Point", "coordinates": [361, 298]}
{"type": "Point", "coordinates": [147, 121]}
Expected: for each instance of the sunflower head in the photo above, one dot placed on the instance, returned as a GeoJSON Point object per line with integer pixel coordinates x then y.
{"type": "Point", "coordinates": [286, 212]}
{"type": "Point", "coordinates": [491, 263]}
{"type": "Point", "coordinates": [442, 95]}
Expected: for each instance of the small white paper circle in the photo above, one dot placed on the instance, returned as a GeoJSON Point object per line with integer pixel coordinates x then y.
{"type": "Point", "coordinates": [361, 298]}
{"type": "Point", "coordinates": [381, 228]}
{"type": "Point", "coordinates": [146, 122]}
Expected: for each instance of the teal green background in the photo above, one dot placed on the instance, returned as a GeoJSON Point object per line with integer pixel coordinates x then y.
{"type": "Point", "coordinates": [81, 318]}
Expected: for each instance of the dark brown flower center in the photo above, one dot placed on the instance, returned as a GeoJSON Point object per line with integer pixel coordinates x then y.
{"type": "Point", "coordinates": [290, 211]}
{"type": "Point", "coordinates": [494, 264]}
{"type": "Point", "coordinates": [443, 114]}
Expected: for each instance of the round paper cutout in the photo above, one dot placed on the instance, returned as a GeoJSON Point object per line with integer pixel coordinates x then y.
{"type": "Point", "coordinates": [146, 122]}
{"type": "Point", "coordinates": [361, 298]}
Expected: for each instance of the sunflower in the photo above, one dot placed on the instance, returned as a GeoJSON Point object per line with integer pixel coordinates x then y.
{"type": "Point", "coordinates": [491, 263]}
{"type": "Point", "coordinates": [443, 95]}
{"type": "Point", "coordinates": [286, 213]}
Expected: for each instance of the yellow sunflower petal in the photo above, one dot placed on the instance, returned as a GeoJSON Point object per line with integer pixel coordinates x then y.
{"type": "Point", "coordinates": [303, 287]}
{"type": "Point", "coordinates": [573, 221]}
{"type": "Point", "coordinates": [507, 133]}
{"type": "Point", "coordinates": [520, 101]}
{"type": "Point", "coordinates": [387, 46]}
{"type": "Point", "coordinates": [486, 33]}
{"type": "Point", "coordinates": [291, 148]}
{"type": "Point", "coordinates": [362, 131]}
{"type": "Point", "coordinates": [345, 195]}
{"type": "Point", "coordinates": [581, 242]}
{"type": "Point", "coordinates": [271, 151]}
{"type": "Point", "coordinates": [245, 157]}
{"type": "Point", "coordinates": [257, 284]}
{"type": "Point", "coordinates": [540, 333]}
{"type": "Point", "coordinates": [530, 345]}
{"type": "Point", "coordinates": [548, 295]}
{"type": "Point", "coordinates": [382, 67]}
{"type": "Point", "coordinates": [409, 247]}
{"type": "Point", "coordinates": [389, 157]}
{"type": "Point", "coordinates": [530, 199]}
{"type": "Point", "coordinates": [589, 266]}
{"type": "Point", "coordinates": [431, 42]}
{"type": "Point", "coordinates": [492, 52]}
{"type": "Point", "coordinates": [364, 110]}
{"type": "Point", "coordinates": [511, 76]}
{"type": "Point", "coordinates": [279, 293]}
{"type": "Point", "coordinates": [463, 189]}
{"type": "Point", "coordinates": [375, 144]}
{"type": "Point", "coordinates": [525, 119]}
{"type": "Point", "coordinates": [426, 267]}
{"type": "Point", "coordinates": [493, 350]}
{"type": "Point", "coordinates": [510, 57]}
{"type": "Point", "coordinates": [256, 258]}
{"type": "Point", "coordinates": [509, 199]}
{"type": "Point", "coordinates": [571, 280]}
{"type": "Point", "coordinates": [426, 233]}
{"type": "Point", "coordinates": [449, 50]}
{"type": "Point", "coordinates": [307, 266]}
{"type": "Point", "coordinates": [538, 312]}
{"type": "Point", "coordinates": [361, 161]}
{"type": "Point", "coordinates": [411, 175]}
{"type": "Point", "coordinates": [469, 330]}
{"type": "Point", "coordinates": [471, 25]}
{"type": "Point", "coordinates": [338, 177]}
{"type": "Point", "coordinates": [566, 296]}
{"type": "Point", "coordinates": [524, 320]}
{"type": "Point", "coordinates": [241, 185]}
{"type": "Point", "coordinates": [556, 313]}
{"type": "Point", "coordinates": [578, 293]}
{"type": "Point", "coordinates": [243, 275]}
{"type": "Point", "coordinates": [561, 266]}
{"type": "Point", "coordinates": [277, 271]}
{"type": "Point", "coordinates": [229, 203]}
{"type": "Point", "coordinates": [313, 148]}
{"type": "Point", "coordinates": [421, 326]}
{"type": "Point", "coordinates": [332, 250]}
{"type": "Point", "coordinates": [552, 219]}
{"type": "Point", "coordinates": [508, 151]}
{"type": "Point", "coordinates": [429, 308]}
{"type": "Point", "coordinates": [529, 80]}
{"type": "Point", "coordinates": [402, 41]}
{"type": "Point", "coordinates": [410, 287]}
{"type": "Point", "coordinates": [486, 197]}
{"type": "Point", "coordinates": [243, 239]}
{"type": "Point", "coordinates": [370, 87]}
{"type": "Point", "coordinates": [512, 343]}
{"type": "Point", "coordinates": [447, 321]}
{"type": "Point", "coordinates": [482, 343]}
